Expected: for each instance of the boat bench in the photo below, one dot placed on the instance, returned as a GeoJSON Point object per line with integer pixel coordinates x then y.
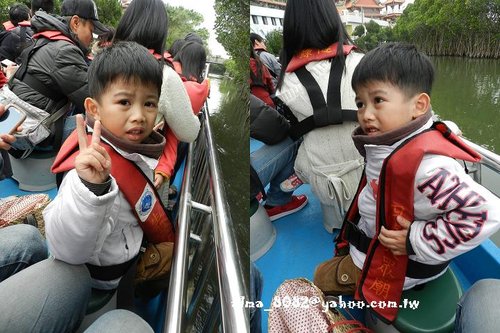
{"type": "Point", "coordinates": [437, 304]}
{"type": "Point", "coordinates": [99, 299]}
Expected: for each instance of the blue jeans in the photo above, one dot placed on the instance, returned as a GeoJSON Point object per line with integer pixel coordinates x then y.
{"type": "Point", "coordinates": [48, 296]}
{"type": "Point", "coordinates": [256, 282]}
{"type": "Point", "coordinates": [119, 321]}
{"type": "Point", "coordinates": [478, 309]}
{"type": "Point", "coordinates": [21, 246]}
{"type": "Point", "coordinates": [274, 164]}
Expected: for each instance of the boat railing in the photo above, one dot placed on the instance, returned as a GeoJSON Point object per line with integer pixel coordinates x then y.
{"type": "Point", "coordinates": [487, 170]}
{"type": "Point", "coordinates": [206, 277]}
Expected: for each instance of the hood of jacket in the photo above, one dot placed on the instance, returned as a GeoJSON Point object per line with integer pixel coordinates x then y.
{"type": "Point", "coordinates": [46, 22]}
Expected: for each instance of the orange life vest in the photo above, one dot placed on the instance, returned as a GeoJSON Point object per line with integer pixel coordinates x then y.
{"type": "Point", "coordinates": [138, 190]}
{"type": "Point", "coordinates": [395, 197]}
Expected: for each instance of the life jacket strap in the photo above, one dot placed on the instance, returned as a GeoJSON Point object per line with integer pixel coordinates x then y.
{"type": "Point", "coordinates": [109, 273]}
{"type": "Point", "coordinates": [415, 269]}
{"type": "Point", "coordinates": [327, 112]}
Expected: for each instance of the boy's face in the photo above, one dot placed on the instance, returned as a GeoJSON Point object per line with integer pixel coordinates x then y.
{"type": "Point", "coordinates": [127, 109]}
{"type": "Point", "coordinates": [382, 107]}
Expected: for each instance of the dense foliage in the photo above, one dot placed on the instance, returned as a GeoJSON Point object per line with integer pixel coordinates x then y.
{"type": "Point", "coordinates": [109, 10]}
{"type": "Point", "coordinates": [231, 26]}
{"type": "Point", "coordinates": [274, 41]}
{"type": "Point", "coordinates": [452, 27]}
{"type": "Point", "coordinates": [371, 35]}
{"type": "Point", "coordinates": [181, 21]}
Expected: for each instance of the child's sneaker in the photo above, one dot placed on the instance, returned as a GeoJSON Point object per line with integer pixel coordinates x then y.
{"type": "Point", "coordinates": [291, 183]}
{"type": "Point", "coordinates": [297, 203]}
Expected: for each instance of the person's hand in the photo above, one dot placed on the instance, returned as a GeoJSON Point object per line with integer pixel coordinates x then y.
{"type": "Point", "coordinates": [10, 71]}
{"type": "Point", "coordinates": [395, 240]}
{"type": "Point", "coordinates": [6, 139]}
{"type": "Point", "coordinates": [93, 163]}
{"type": "Point", "coordinates": [159, 180]}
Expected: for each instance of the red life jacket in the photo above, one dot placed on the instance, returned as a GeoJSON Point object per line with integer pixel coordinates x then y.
{"type": "Point", "coordinates": [53, 35]}
{"type": "Point", "coordinates": [325, 112]}
{"type": "Point", "coordinates": [383, 273]}
{"type": "Point", "coordinates": [308, 55]}
{"type": "Point", "coordinates": [135, 186]}
{"type": "Point", "coordinates": [8, 25]}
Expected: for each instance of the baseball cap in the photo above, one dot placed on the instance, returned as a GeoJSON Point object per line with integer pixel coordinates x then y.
{"type": "Point", "coordinates": [85, 9]}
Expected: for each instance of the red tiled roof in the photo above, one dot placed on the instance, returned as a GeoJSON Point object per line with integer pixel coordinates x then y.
{"type": "Point", "coordinates": [390, 2]}
{"type": "Point", "coordinates": [363, 4]}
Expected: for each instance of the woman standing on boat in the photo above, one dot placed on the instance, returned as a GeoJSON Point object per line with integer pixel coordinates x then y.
{"type": "Point", "coordinates": [318, 54]}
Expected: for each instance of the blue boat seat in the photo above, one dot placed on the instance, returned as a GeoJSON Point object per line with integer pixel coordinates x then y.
{"type": "Point", "coordinates": [436, 309]}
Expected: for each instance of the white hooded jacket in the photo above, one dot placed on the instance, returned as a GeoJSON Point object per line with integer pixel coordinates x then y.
{"type": "Point", "coordinates": [447, 222]}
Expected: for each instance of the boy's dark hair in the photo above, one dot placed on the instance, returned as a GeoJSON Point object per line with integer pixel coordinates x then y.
{"type": "Point", "coordinates": [255, 37]}
{"type": "Point", "coordinates": [18, 12]}
{"type": "Point", "coordinates": [193, 58]}
{"type": "Point", "coordinates": [402, 65]}
{"type": "Point", "coordinates": [46, 5]}
{"type": "Point", "coordinates": [123, 60]}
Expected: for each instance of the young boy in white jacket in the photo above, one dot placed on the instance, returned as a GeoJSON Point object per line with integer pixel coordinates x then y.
{"type": "Point", "coordinates": [92, 220]}
{"type": "Point", "coordinates": [451, 213]}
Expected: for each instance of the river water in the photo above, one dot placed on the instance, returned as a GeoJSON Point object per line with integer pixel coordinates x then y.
{"type": "Point", "coordinates": [467, 91]}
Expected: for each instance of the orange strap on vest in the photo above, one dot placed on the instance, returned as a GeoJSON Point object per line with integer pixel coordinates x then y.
{"type": "Point", "coordinates": [135, 186]}
{"type": "Point", "coordinates": [383, 273]}
{"type": "Point", "coordinates": [53, 35]}
{"type": "Point", "coordinates": [308, 55]}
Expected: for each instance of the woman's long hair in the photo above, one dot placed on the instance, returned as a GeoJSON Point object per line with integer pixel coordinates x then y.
{"type": "Point", "coordinates": [193, 58]}
{"type": "Point", "coordinates": [311, 24]}
{"type": "Point", "coordinates": [144, 22]}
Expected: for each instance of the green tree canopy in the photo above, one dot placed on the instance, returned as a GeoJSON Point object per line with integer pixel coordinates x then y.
{"type": "Point", "coordinates": [109, 10]}
{"type": "Point", "coordinates": [452, 27]}
{"type": "Point", "coordinates": [231, 25]}
{"type": "Point", "coordinates": [181, 21]}
{"type": "Point", "coordinates": [274, 41]}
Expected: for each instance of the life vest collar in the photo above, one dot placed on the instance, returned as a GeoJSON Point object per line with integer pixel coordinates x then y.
{"type": "Point", "coordinates": [137, 189]}
{"type": "Point", "coordinates": [307, 55]}
{"type": "Point", "coordinates": [53, 35]}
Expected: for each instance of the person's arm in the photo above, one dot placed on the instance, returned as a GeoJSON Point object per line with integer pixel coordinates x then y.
{"type": "Point", "coordinates": [175, 106]}
{"type": "Point", "coordinates": [461, 213]}
{"type": "Point", "coordinates": [166, 164]}
{"type": "Point", "coordinates": [266, 124]}
{"type": "Point", "coordinates": [70, 74]}
{"type": "Point", "coordinates": [77, 217]}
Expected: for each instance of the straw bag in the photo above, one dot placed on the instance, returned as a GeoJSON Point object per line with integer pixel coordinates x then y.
{"type": "Point", "coordinates": [299, 306]}
{"type": "Point", "coordinates": [24, 209]}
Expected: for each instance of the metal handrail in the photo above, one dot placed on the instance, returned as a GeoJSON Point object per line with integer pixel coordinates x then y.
{"type": "Point", "coordinates": [488, 158]}
{"type": "Point", "coordinates": [234, 318]}
{"type": "Point", "coordinates": [229, 273]}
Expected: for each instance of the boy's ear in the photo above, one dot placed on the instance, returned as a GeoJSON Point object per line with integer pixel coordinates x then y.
{"type": "Point", "coordinates": [91, 107]}
{"type": "Point", "coordinates": [422, 105]}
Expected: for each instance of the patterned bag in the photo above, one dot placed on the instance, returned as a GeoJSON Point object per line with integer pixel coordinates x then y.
{"type": "Point", "coordinates": [299, 306]}
{"type": "Point", "coordinates": [24, 209]}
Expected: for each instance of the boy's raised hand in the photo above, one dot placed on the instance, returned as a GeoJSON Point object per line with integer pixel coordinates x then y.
{"type": "Point", "coordinates": [395, 240]}
{"type": "Point", "coordinates": [93, 163]}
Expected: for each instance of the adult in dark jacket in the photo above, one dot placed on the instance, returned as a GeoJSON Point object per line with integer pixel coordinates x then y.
{"type": "Point", "coordinates": [273, 162]}
{"type": "Point", "coordinates": [56, 73]}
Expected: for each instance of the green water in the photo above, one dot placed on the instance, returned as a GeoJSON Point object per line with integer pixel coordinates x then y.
{"type": "Point", "coordinates": [467, 91]}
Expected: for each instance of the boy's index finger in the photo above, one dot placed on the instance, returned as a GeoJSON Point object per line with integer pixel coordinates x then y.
{"type": "Point", "coordinates": [82, 134]}
{"type": "Point", "coordinates": [96, 135]}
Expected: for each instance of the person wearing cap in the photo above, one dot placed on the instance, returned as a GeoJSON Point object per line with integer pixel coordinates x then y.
{"type": "Point", "coordinates": [54, 72]}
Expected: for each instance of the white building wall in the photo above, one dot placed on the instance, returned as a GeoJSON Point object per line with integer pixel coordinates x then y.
{"type": "Point", "coordinates": [264, 20]}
